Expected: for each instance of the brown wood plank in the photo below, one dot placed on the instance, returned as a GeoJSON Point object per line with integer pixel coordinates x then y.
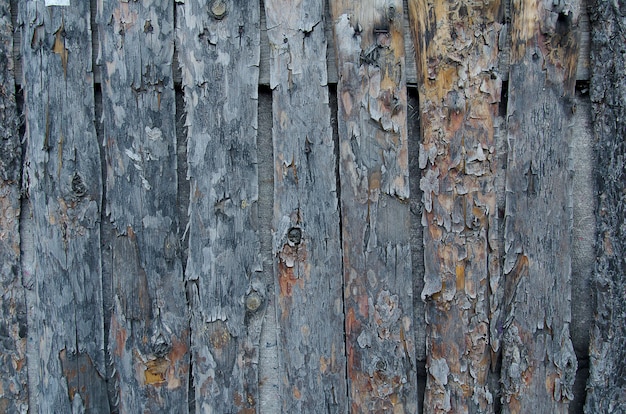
{"type": "Point", "coordinates": [64, 184]}
{"type": "Point", "coordinates": [13, 371]}
{"type": "Point", "coordinates": [538, 360]}
{"type": "Point", "coordinates": [373, 149]}
{"type": "Point", "coordinates": [459, 93]}
{"type": "Point", "coordinates": [606, 387]}
{"type": "Point", "coordinates": [219, 54]}
{"type": "Point", "coordinates": [149, 328]}
{"type": "Point", "coordinates": [307, 243]}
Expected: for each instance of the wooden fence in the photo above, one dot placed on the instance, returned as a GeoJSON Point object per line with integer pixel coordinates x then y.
{"type": "Point", "coordinates": [221, 206]}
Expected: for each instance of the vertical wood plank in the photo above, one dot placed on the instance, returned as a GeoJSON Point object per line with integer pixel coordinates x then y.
{"type": "Point", "coordinates": [307, 245]}
{"type": "Point", "coordinates": [149, 328]}
{"type": "Point", "coordinates": [219, 55]}
{"type": "Point", "coordinates": [374, 205]}
{"type": "Point", "coordinates": [538, 361]}
{"type": "Point", "coordinates": [606, 389]}
{"type": "Point", "coordinates": [13, 371]}
{"type": "Point", "coordinates": [63, 180]}
{"type": "Point", "coordinates": [457, 54]}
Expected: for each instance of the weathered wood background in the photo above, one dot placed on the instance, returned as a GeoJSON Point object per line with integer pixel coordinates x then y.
{"type": "Point", "coordinates": [315, 206]}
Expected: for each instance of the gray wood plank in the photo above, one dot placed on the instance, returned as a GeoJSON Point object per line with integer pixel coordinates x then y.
{"type": "Point", "coordinates": [219, 56]}
{"type": "Point", "coordinates": [64, 184]}
{"type": "Point", "coordinates": [149, 327]}
{"type": "Point", "coordinates": [538, 360]}
{"type": "Point", "coordinates": [459, 97]}
{"type": "Point", "coordinates": [13, 328]}
{"type": "Point", "coordinates": [307, 243]}
{"type": "Point", "coordinates": [373, 150]}
{"type": "Point", "coordinates": [606, 389]}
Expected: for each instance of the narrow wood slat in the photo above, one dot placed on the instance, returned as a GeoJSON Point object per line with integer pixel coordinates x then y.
{"type": "Point", "coordinates": [373, 151]}
{"type": "Point", "coordinates": [149, 328]}
{"type": "Point", "coordinates": [538, 360]}
{"type": "Point", "coordinates": [307, 243]}
{"type": "Point", "coordinates": [219, 54]}
{"type": "Point", "coordinates": [13, 371]}
{"type": "Point", "coordinates": [63, 176]}
{"type": "Point", "coordinates": [459, 92]}
{"type": "Point", "coordinates": [606, 388]}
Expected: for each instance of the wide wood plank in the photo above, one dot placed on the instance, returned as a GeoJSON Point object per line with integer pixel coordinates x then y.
{"type": "Point", "coordinates": [459, 93]}
{"type": "Point", "coordinates": [538, 360]}
{"type": "Point", "coordinates": [373, 149]}
{"type": "Point", "coordinates": [307, 244]}
{"type": "Point", "coordinates": [13, 371]}
{"type": "Point", "coordinates": [606, 389]}
{"type": "Point", "coordinates": [64, 184]}
{"type": "Point", "coordinates": [219, 54]}
{"type": "Point", "coordinates": [149, 328]}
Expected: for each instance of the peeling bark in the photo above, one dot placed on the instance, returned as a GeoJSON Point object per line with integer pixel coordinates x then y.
{"type": "Point", "coordinates": [13, 323]}
{"type": "Point", "coordinates": [149, 328]}
{"type": "Point", "coordinates": [219, 57]}
{"type": "Point", "coordinates": [63, 180]}
{"type": "Point", "coordinates": [374, 205]}
{"type": "Point", "coordinates": [538, 362]}
{"type": "Point", "coordinates": [307, 236]}
{"type": "Point", "coordinates": [607, 381]}
{"type": "Point", "coordinates": [457, 56]}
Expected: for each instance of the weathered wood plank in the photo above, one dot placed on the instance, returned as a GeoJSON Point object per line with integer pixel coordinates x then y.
{"type": "Point", "coordinates": [457, 55]}
{"type": "Point", "coordinates": [219, 55]}
{"type": "Point", "coordinates": [149, 328]}
{"type": "Point", "coordinates": [64, 184]}
{"type": "Point", "coordinates": [13, 371]}
{"type": "Point", "coordinates": [538, 360]}
{"type": "Point", "coordinates": [606, 385]}
{"type": "Point", "coordinates": [374, 205]}
{"type": "Point", "coordinates": [307, 243]}
{"type": "Point", "coordinates": [582, 72]}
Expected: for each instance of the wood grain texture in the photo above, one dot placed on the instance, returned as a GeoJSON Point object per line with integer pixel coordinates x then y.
{"type": "Point", "coordinates": [307, 244]}
{"type": "Point", "coordinates": [64, 184]}
{"type": "Point", "coordinates": [457, 57]}
{"type": "Point", "coordinates": [606, 387]}
{"type": "Point", "coordinates": [219, 55]}
{"type": "Point", "coordinates": [13, 323]}
{"type": "Point", "coordinates": [373, 163]}
{"type": "Point", "coordinates": [149, 328]}
{"type": "Point", "coordinates": [538, 360]}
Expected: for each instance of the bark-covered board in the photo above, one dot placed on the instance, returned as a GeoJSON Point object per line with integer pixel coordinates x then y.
{"type": "Point", "coordinates": [538, 360]}
{"type": "Point", "coordinates": [13, 377]}
{"type": "Point", "coordinates": [219, 55]}
{"type": "Point", "coordinates": [307, 244]}
{"type": "Point", "coordinates": [374, 205]}
{"type": "Point", "coordinates": [607, 381]}
{"type": "Point", "coordinates": [459, 92]}
{"type": "Point", "coordinates": [63, 180]}
{"type": "Point", "coordinates": [149, 327]}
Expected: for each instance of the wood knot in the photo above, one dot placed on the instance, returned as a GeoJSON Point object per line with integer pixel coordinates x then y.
{"type": "Point", "coordinates": [294, 235]}
{"type": "Point", "coordinates": [78, 185]}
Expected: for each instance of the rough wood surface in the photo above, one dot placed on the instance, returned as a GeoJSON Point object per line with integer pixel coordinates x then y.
{"type": "Point", "coordinates": [459, 96]}
{"type": "Point", "coordinates": [538, 361]}
{"type": "Point", "coordinates": [13, 323]}
{"type": "Point", "coordinates": [219, 54]}
{"type": "Point", "coordinates": [582, 72]}
{"type": "Point", "coordinates": [374, 205]}
{"type": "Point", "coordinates": [607, 381]}
{"type": "Point", "coordinates": [149, 328]}
{"type": "Point", "coordinates": [63, 180]}
{"type": "Point", "coordinates": [307, 244]}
